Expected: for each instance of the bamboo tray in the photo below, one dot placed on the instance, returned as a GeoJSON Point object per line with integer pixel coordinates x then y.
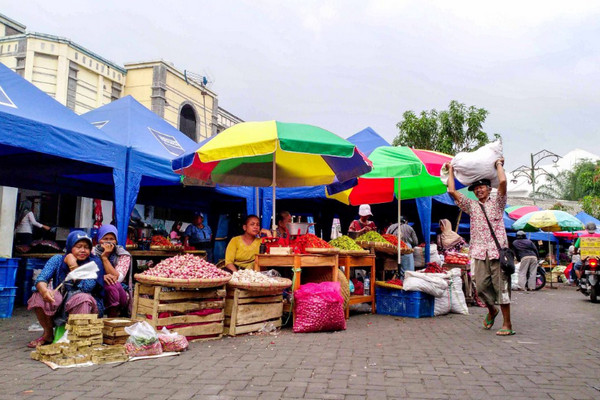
{"type": "Point", "coordinates": [354, 252]}
{"type": "Point", "coordinates": [181, 283]}
{"type": "Point", "coordinates": [387, 285]}
{"type": "Point", "coordinates": [318, 250]}
{"type": "Point", "coordinates": [282, 283]}
{"type": "Point", "coordinates": [166, 248]}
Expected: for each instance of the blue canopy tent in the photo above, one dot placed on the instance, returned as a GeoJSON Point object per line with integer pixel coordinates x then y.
{"type": "Point", "coordinates": [46, 146]}
{"type": "Point", "coordinates": [586, 218]}
{"type": "Point", "coordinates": [151, 144]}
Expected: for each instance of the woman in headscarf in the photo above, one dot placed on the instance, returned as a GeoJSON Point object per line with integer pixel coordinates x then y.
{"type": "Point", "coordinates": [85, 296]}
{"type": "Point", "coordinates": [116, 262]}
{"type": "Point", "coordinates": [448, 240]}
{"type": "Point", "coordinates": [24, 224]}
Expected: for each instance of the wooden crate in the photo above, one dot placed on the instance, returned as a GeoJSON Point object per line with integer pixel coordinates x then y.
{"type": "Point", "coordinates": [247, 311]}
{"type": "Point", "coordinates": [152, 300]}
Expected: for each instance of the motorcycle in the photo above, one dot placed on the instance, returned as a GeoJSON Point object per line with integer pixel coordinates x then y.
{"type": "Point", "coordinates": [589, 283]}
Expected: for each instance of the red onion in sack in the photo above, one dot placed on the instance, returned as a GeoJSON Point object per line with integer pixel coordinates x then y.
{"type": "Point", "coordinates": [319, 307]}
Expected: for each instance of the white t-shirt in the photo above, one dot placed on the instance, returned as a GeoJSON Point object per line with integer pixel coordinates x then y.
{"type": "Point", "coordinates": [27, 223]}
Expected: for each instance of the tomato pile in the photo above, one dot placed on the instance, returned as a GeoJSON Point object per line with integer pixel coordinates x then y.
{"type": "Point", "coordinates": [393, 239]}
{"type": "Point", "coordinates": [456, 258]}
{"type": "Point", "coordinates": [158, 240]}
{"type": "Point", "coordinates": [309, 240]}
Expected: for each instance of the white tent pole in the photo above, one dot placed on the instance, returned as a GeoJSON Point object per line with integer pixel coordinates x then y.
{"type": "Point", "coordinates": [256, 200]}
{"type": "Point", "coordinates": [273, 224]}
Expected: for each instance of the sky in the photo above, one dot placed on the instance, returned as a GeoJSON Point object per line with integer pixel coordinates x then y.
{"type": "Point", "coordinates": [346, 65]}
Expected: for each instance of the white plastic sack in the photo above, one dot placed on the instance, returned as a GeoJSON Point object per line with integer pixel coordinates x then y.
{"type": "Point", "coordinates": [433, 255]}
{"type": "Point", "coordinates": [418, 257]}
{"type": "Point", "coordinates": [441, 305]}
{"type": "Point", "coordinates": [514, 278]}
{"type": "Point", "coordinates": [458, 303]}
{"type": "Point", "coordinates": [479, 164]}
{"type": "Point", "coordinates": [433, 284]}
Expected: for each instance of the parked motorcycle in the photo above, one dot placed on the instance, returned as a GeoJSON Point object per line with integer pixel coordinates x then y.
{"type": "Point", "coordinates": [589, 284]}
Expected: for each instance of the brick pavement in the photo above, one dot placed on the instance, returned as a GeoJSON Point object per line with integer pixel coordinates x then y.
{"type": "Point", "coordinates": [555, 355]}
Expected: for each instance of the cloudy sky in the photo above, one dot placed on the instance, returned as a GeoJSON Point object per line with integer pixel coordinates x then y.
{"type": "Point", "coordinates": [346, 65]}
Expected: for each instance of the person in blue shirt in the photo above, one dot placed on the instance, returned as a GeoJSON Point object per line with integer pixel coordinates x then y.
{"type": "Point", "coordinates": [199, 235]}
{"type": "Point", "coordinates": [83, 296]}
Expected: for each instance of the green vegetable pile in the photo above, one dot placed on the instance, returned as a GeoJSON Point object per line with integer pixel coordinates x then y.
{"type": "Point", "coordinates": [371, 236]}
{"type": "Point", "coordinates": [345, 243]}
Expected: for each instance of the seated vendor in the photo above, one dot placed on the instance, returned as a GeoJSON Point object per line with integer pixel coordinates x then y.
{"type": "Point", "coordinates": [448, 240]}
{"type": "Point", "coordinates": [283, 218]}
{"type": "Point", "coordinates": [241, 249]}
{"type": "Point", "coordinates": [116, 262]}
{"type": "Point", "coordinates": [363, 224]}
{"type": "Point", "coordinates": [74, 297]}
{"type": "Point", "coordinates": [199, 235]}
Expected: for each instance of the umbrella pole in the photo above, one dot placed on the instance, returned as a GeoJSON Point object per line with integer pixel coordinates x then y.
{"type": "Point", "coordinates": [256, 200]}
{"type": "Point", "coordinates": [551, 268]}
{"type": "Point", "coordinates": [273, 225]}
{"type": "Point", "coordinates": [458, 220]}
{"type": "Point", "coordinates": [399, 232]}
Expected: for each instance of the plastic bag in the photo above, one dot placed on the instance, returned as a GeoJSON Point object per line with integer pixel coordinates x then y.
{"type": "Point", "coordinates": [319, 307]}
{"type": "Point", "coordinates": [172, 341]}
{"type": "Point", "coordinates": [142, 341]}
{"type": "Point", "coordinates": [478, 164]}
{"type": "Point", "coordinates": [418, 257]}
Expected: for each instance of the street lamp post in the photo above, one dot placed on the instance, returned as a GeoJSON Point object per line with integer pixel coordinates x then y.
{"type": "Point", "coordinates": [533, 172]}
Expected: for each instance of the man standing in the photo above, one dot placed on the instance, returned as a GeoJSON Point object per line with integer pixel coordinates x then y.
{"type": "Point", "coordinates": [527, 254]}
{"type": "Point", "coordinates": [492, 284]}
{"type": "Point", "coordinates": [408, 236]}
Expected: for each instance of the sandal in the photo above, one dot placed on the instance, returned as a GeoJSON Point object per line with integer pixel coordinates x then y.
{"type": "Point", "coordinates": [38, 342]}
{"type": "Point", "coordinates": [505, 332]}
{"type": "Point", "coordinates": [489, 322]}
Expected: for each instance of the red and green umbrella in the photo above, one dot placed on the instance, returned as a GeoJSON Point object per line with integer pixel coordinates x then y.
{"type": "Point", "coordinates": [516, 212]}
{"type": "Point", "coordinates": [399, 172]}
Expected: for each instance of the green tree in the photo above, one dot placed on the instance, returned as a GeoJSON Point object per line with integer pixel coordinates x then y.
{"type": "Point", "coordinates": [583, 180]}
{"type": "Point", "coordinates": [591, 205]}
{"type": "Point", "coordinates": [451, 131]}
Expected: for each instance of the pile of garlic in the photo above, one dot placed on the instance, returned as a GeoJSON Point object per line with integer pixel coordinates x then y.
{"type": "Point", "coordinates": [250, 276]}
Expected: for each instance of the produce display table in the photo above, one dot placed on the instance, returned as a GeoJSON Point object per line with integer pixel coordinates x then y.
{"type": "Point", "coordinates": [181, 304]}
{"type": "Point", "coordinates": [466, 279]}
{"type": "Point", "coordinates": [298, 262]}
{"type": "Point", "coordinates": [367, 261]}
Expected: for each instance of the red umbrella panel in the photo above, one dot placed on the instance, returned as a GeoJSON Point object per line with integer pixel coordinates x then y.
{"type": "Point", "coordinates": [516, 212]}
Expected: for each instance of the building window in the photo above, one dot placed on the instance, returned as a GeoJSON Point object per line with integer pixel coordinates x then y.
{"type": "Point", "coordinates": [76, 56]}
{"type": "Point", "coordinates": [90, 62]}
{"type": "Point", "coordinates": [72, 86]}
{"type": "Point", "coordinates": [8, 48]}
{"type": "Point", "coordinates": [102, 69]}
{"type": "Point", "coordinates": [187, 121]}
{"type": "Point", "coordinates": [83, 60]}
{"type": "Point", "coordinates": [43, 45]}
{"type": "Point", "coordinates": [115, 91]}
{"type": "Point", "coordinates": [1, 47]}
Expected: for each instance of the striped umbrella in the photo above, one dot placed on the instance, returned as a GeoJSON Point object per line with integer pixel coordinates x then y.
{"type": "Point", "coordinates": [516, 212]}
{"type": "Point", "coordinates": [548, 220]}
{"type": "Point", "coordinates": [276, 154]}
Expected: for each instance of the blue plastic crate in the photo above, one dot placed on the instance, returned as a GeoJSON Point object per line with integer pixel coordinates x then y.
{"type": "Point", "coordinates": [8, 271]}
{"type": "Point", "coordinates": [7, 301]}
{"type": "Point", "coordinates": [403, 304]}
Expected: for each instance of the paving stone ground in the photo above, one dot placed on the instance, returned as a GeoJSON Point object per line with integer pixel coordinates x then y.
{"type": "Point", "coordinates": [555, 355]}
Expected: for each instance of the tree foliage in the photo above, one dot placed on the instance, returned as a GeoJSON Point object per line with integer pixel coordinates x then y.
{"type": "Point", "coordinates": [451, 131]}
{"type": "Point", "coordinates": [583, 180]}
{"type": "Point", "coordinates": [591, 205]}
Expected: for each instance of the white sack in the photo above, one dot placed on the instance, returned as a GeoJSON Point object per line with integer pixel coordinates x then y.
{"type": "Point", "coordinates": [479, 164]}
{"type": "Point", "coordinates": [418, 257]}
{"type": "Point", "coordinates": [432, 284]}
{"type": "Point", "coordinates": [441, 305]}
{"type": "Point", "coordinates": [458, 303]}
{"type": "Point", "coordinates": [433, 255]}
{"type": "Point", "coordinates": [514, 278]}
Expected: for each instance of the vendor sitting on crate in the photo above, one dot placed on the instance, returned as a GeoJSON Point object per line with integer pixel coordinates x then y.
{"type": "Point", "coordinates": [241, 249]}
{"type": "Point", "coordinates": [74, 297]}
{"type": "Point", "coordinates": [116, 261]}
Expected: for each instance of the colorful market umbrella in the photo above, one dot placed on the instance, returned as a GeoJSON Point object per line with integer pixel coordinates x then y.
{"type": "Point", "coordinates": [397, 171]}
{"type": "Point", "coordinates": [516, 212]}
{"type": "Point", "coordinates": [276, 154]}
{"type": "Point", "coordinates": [548, 220]}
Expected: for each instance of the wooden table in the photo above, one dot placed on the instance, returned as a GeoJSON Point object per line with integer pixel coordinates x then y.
{"type": "Point", "coordinates": [297, 262]}
{"type": "Point", "coordinates": [161, 254]}
{"type": "Point", "coordinates": [367, 261]}
{"type": "Point", "coordinates": [37, 255]}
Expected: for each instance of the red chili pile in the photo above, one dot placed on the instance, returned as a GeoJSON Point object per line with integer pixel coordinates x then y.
{"type": "Point", "coordinates": [395, 281]}
{"type": "Point", "coordinates": [309, 240]}
{"type": "Point", "coordinates": [158, 240]}
{"type": "Point", "coordinates": [186, 266]}
{"type": "Point", "coordinates": [393, 239]}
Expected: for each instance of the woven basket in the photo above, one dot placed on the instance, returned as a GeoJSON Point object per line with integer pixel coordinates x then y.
{"type": "Point", "coordinates": [354, 252]}
{"type": "Point", "coordinates": [282, 283]}
{"type": "Point", "coordinates": [181, 283]}
{"type": "Point", "coordinates": [387, 285]}
{"type": "Point", "coordinates": [318, 250]}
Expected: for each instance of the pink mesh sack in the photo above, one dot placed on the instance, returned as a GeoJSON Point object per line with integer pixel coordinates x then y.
{"type": "Point", "coordinates": [319, 307]}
